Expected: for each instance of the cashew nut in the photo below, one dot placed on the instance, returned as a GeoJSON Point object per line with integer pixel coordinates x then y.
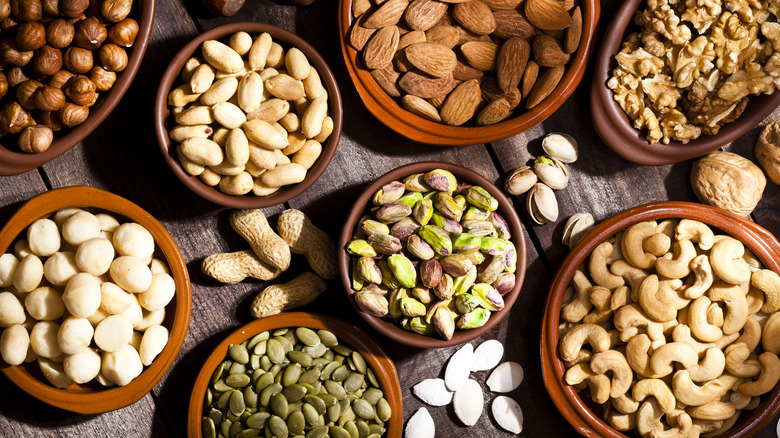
{"type": "Point", "coordinates": [682, 333]}
{"type": "Point", "coordinates": [573, 340]}
{"type": "Point", "coordinates": [619, 298]}
{"type": "Point", "coordinates": [579, 306]}
{"type": "Point", "coordinates": [702, 271]}
{"type": "Point", "coordinates": [755, 299]}
{"type": "Point", "coordinates": [599, 271]}
{"type": "Point", "coordinates": [655, 388]}
{"type": "Point", "coordinates": [582, 357]}
{"type": "Point", "coordinates": [598, 383]}
{"type": "Point", "coordinates": [658, 244]}
{"type": "Point", "coordinates": [620, 421]}
{"type": "Point", "coordinates": [658, 300]}
{"type": "Point", "coordinates": [617, 252]}
{"type": "Point", "coordinates": [612, 360]}
{"type": "Point", "coordinates": [697, 321]}
{"type": "Point", "coordinates": [648, 422]}
{"type": "Point", "coordinates": [714, 410]}
{"type": "Point", "coordinates": [625, 404]}
{"type": "Point", "coordinates": [681, 424]}
{"type": "Point", "coordinates": [702, 427]}
{"type": "Point", "coordinates": [632, 316]}
{"type": "Point", "coordinates": [600, 298]}
{"type": "Point", "coordinates": [727, 424]}
{"type": "Point", "coordinates": [632, 244]}
{"type": "Point", "coordinates": [710, 367]}
{"type": "Point", "coordinates": [630, 273]}
{"type": "Point", "coordinates": [739, 400]}
{"type": "Point", "coordinates": [770, 337]}
{"type": "Point", "coordinates": [737, 362]}
{"type": "Point", "coordinates": [770, 374]}
{"type": "Point", "coordinates": [715, 315]}
{"type": "Point", "coordinates": [677, 267]}
{"type": "Point", "coordinates": [727, 263]}
{"type": "Point", "coordinates": [752, 261]}
{"type": "Point", "coordinates": [767, 282]}
{"type": "Point", "coordinates": [691, 394]}
{"type": "Point", "coordinates": [695, 231]}
{"type": "Point", "coordinates": [662, 358]}
{"type": "Point", "coordinates": [751, 334]}
{"type": "Point", "coordinates": [637, 357]}
{"type": "Point", "coordinates": [736, 304]}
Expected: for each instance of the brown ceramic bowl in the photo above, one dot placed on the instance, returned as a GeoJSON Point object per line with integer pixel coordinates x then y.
{"type": "Point", "coordinates": [390, 112]}
{"type": "Point", "coordinates": [93, 398]}
{"type": "Point", "coordinates": [14, 162]}
{"type": "Point", "coordinates": [163, 122]}
{"type": "Point", "coordinates": [616, 129]}
{"type": "Point", "coordinates": [387, 326]}
{"type": "Point", "coordinates": [376, 357]}
{"type": "Point", "coordinates": [583, 414]}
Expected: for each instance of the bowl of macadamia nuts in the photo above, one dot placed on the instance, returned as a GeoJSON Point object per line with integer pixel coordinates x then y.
{"type": "Point", "coordinates": [664, 320]}
{"type": "Point", "coordinates": [66, 65]}
{"type": "Point", "coordinates": [95, 300]}
{"type": "Point", "coordinates": [248, 115]}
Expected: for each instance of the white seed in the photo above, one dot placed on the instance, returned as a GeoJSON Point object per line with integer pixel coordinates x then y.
{"type": "Point", "coordinates": [459, 367]}
{"type": "Point", "coordinates": [506, 377]}
{"type": "Point", "coordinates": [420, 425]}
{"type": "Point", "coordinates": [467, 402]}
{"type": "Point", "coordinates": [433, 392]}
{"type": "Point", "coordinates": [487, 355]}
{"type": "Point", "coordinates": [508, 414]}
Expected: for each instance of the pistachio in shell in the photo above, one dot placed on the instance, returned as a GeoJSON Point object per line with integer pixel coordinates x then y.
{"type": "Point", "coordinates": [456, 264]}
{"type": "Point", "coordinates": [728, 181]}
{"type": "Point", "coordinates": [392, 213]}
{"type": "Point", "coordinates": [542, 205]}
{"type": "Point", "coordinates": [368, 270]}
{"type": "Point", "coordinates": [520, 180]}
{"type": "Point", "coordinates": [476, 318]}
{"type": "Point", "coordinates": [385, 243]}
{"type": "Point", "coordinates": [576, 227]}
{"type": "Point", "coordinates": [504, 283]}
{"type": "Point", "coordinates": [552, 172]}
{"type": "Point", "coordinates": [560, 146]}
{"type": "Point", "coordinates": [403, 270]}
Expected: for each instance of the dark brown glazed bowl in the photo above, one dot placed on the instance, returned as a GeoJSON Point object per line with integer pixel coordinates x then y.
{"type": "Point", "coordinates": [578, 411]}
{"type": "Point", "coordinates": [162, 121]}
{"type": "Point", "coordinates": [93, 398]}
{"type": "Point", "coordinates": [14, 162]}
{"type": "Point", "coordinates": [376, 357]}
{"type": "Point", "coordinates": [391, 113]}
{"type": "Point", "coordinates": [390, 328]}
{"type": "Point", "coordinates": [616, 129]}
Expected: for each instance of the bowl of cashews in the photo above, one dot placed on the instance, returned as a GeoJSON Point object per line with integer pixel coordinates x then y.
{"type": "Point", "coordinates": [664, 321]}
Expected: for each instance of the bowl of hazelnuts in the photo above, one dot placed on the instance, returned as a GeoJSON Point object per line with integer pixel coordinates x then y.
{"type": "Point", "coordinates": [64, 66]}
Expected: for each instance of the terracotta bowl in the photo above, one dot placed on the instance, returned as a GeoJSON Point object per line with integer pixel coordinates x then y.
{"type": "Point", "coordinates": [390, 328]}
{"type": "Point", "coordinates": [93, 398]}
{"type": "Point", "coordinates": [582, 413]}
{"type": "Point", "coordinates": [616, 129]}
{"type": "Point", "coordinates": [375, 356]}
{"type": "Point", "coordinates": [14, 162]}
{"type": "Point", "coordinates": [163, 122]}
{"type": "Point", "coordinates": [390, 112]}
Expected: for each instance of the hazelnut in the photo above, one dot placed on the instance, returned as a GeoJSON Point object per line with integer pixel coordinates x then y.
{"type": "Point", "coordinates": [80, 90]}
{"type": "Point", "coordinates": [47, 61]}
{"type": "Point", "coordinates": [90, 33]}
{"type": "Point", "coordinates": [25, 92]}
{"type": "Point", "coordinates": [60, 33]}
{"type": "Point", "coordinates": [3, 85]}
{"type": "Point", "coordinates": [102, 78]}
{"type": "Point", "coordinates": [59, 79]}
{"type": "Point", "coordinates": [5, 9]}
{"type": "Point", "coordinates": [10, 53]}
{"type": "Point", "coordinates": [50, 119]}
{"type": "Point", "coordinates": [73, 8]}
{"type": "Point", "coordinates": [72, 115]}
{"type": "Point", "coordinates": [113, 57]}
{"type": "Point", "coordinates": [30, 36]}
{"type": "Point", "coordinates": [77, 59]}
{"type": "Point", "coordinates": [116, 10]}
{"type": "Point", "coordinates": [51, 7]}
{"type": "Point", "coordinates": [16, 76]}
{"type": "Point", "coordinates": [27, 10]}
{"type": "Point", "coordinates": [123, 34]}
{"type": "Point", "coordinates": [14, 118]}
{"type": "Point", "coordinates": [8, 25]}
{"type": "Point", "coordinates": [35, 139]}
{"type": "Point", "coordinates": [49, 98]}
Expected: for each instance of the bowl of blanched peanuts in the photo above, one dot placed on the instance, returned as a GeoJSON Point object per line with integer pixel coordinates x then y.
{"type": "Point", "coordinates": [94, 300]}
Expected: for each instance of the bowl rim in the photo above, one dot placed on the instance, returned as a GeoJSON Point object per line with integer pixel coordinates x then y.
{"type": "Point", "coordinates": [568, 402]}
{"type": "Point", "coordinates": [77, 398]}
{"type": "Point", "coordinates": [388, 111]}
{"type": "Point", "coordinates": [380, 362]}
{"type": "Point", "coordinates": [161, 115]}
{"type": "Point", "coordinates": [389, 328]}
{"type": "Point", "coordinates": [15, 163]}
{"type": "Point", "coordinates": [616, 129]}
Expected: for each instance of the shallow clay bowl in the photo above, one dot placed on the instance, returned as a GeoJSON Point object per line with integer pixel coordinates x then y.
{"type": "Point", "coordinates": [163, 122]}
{"type": "Point", "coordinates": [375, 356]}
{"type": "Point", "coordinates": [581, 412]}
{"type": "Point", "coordinates": [390, 112]}
{"type": "Point", "coordinates": [616, 129]}
{"type": "Point", "coordinates": [93, 398]}
{"type": "Point", "coordinates": [387, 326]}
{"type": "Point", "coordinates": [13, 161]}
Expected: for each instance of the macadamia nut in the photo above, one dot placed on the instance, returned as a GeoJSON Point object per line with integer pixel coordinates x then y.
{"type": "Point", "coordinates": [159, 293]}
{"type": "Point", "coordinates": [62, 215]}
{"type": "Point", "coordinates": [132, 239]}
{"type": "Point", "coordinates": [43, 339]}
{"type": "Point", "coordinates": [131, 274]}
{"type": "Point", "coordinates": [96, 317]}
{"type": "Point", "coordinates": [95, 256]}
{"type": "Point", "coordinates": [82, 367]}
{"type": "Point", "coordinates": [14, 343]}
{"type": "Point", "coordinates": [29, 274]}
{"type": "Point", "coordinates": [150, 319]}
{"type": "Point", "coordinates": [80, 227]}
{"type": "Point", "coordinates": [22, 249]}
{"type": "Point", "coordinates": [8, 265]}
{"type": "Point", "coordinates": [113, 332]}
{"type": "Point", "coordinates": [82, 295]}
{"type": "Point", "coordinates": [159, 267]}
{"type": "Point", "coordinates": [152, 343]}
{"type": "Point", "coordinates": [54, 373]}
{"type": "Point", "coordinates": [44, 304]}
{"type": "Point", "coordinates": [134, 311]}
{"type": "Point", "coordinates": [75, 335]}
{"type": "Point", "coordinates": [60, 268]}
{"type": "Point", "coordinates": [43, 237]}
{"type": "Point", "coordinates": [113, 299]}
{"type": "Point", "coordinates": [107, 222]}
{"type": "Point", "coordinates": [122, 366]}
{"type": "Point", "coordinates": [11, 310]}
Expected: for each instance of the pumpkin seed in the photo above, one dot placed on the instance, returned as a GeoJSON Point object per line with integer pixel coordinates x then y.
{"type": "Point", "coordinates": [258, 420]}
{"type": "Point", "coordinates": [250, 397]}
{"type": "Point", "coordinates": [372, 395]}
{"type": "Point", "coordinates": [248, 433]}
{"type": "Point", "coordinates": [278, 427]}
{"type": "Point", "coordinates": [316, 350]}
{"type": "Point", "coordinates": [275, 370]}
{"type": "Point", "coordinates": [279, 405]}
{"type": "Point", "coordinates": [296, 423]}
{"type": "Point", "coordinates": [291, 374]}
{"type": "Point", "coordinates": [338, 432]}
{"type": "Point", "coordinates": [256, 339]}
{"type": "Point", "coordinates": [254, 362]}
{"type": "Point", "coordinates": [375, 428]}
{"type": "Point", "coordinates": [342, 349]}
{"type": "Point", "coordinates": [362, 427]}
{"type": "Point", "coordinates": [221, 386]}
{"type": "Point", "coordinates": [237, 380]}
{"type": "Point", "coordinates": [363, 409]}
{"type": "Point", "coordinates": [294, 393]}
{"type": "Point", "coordinates": [235, 428]}
{"type": "Point", "coordinates": [374, 435]}
{"type": "Point", "coordinates": [328, 338]}
{"type": "Point", "coordinates": [275, 351]}
{"type": "Point", "coordinates": [327, 372]}
{"type": "Point", "coordinates": [281, 332]}
{"type": "Point", "coordinates": [209, 430]}
{"type": "Point", "coordinates": [238, 353]}
{"type": "Point", "coordinates": [264, 380]}
{"type": "Point", "coordinates": [307, 336]}
{"type": "Point", "coordinates": [318, 432]}
{"type": "Point", "coordinates": [334, 412]}
{"type": "Point", "coordinates": [265, 396]}
{"type": "Point", "coordinates": [328, 355]}
{"type": "Point", "coordinates": [285, 343]}
{"type": "Point", "coordinates": [328, 399]}
{"type": "Point", "coordinates": [218, 373]}
{"type": "Point", "coordinates": [316, 403]}
{"type": "Point", "coordinates": [237, 403]}
{"type": "Point", "coordinates": [224, 400]}
{"type": "Point", "coordinates": [352, 429]}
{"type": "Point", "coordinates": [237, 368]}
{"type": "Point", "coordinates": [265, 363]}
{"type": "Point", "coordinates": [310, 413]}
{"type": "Point", "coordinates": [311, 376]}
{"type": "Point", "coordinates": [354, 382]}
{"type": "Point", "coordinates": [224, 427]}
{"type": "Point", "coordinates": [360, 363]}
{"type": "Point", "coordinates": [335, 389]}
{"type": "Point", "coordinates": [215, 415]}
{"type": "Point", "coordinates": [383, 410]}
{"type": "Point", "coordinates": [261, 348]}
{"type": "Point", "coordinates": [372, 378]}
{"type": "Point", "coordinates": [340, 373]}
{"type": "Point", "coordinates": [208, 398]}
{"type": "Point", "coordinates": [300, 357]}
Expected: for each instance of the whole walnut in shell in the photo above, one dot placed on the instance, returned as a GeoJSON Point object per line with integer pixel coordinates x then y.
{"type": "Point", "coordinates": [728, 181]}
{"type": "Point", "coordinates": [768, 150]}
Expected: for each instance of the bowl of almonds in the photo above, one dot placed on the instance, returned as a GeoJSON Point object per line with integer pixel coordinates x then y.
{"type": "Point", "coordinates": [461, 73]}
{"type": "Point", "coordinates": [248, 115]}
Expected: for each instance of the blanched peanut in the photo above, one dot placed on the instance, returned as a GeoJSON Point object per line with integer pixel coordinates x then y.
{"type": "Point", "coordinates": [80, 227]}
{"type": "Point", "coordinates": [159, 267]}
{"type": "Point", "coordinates": [8, 265]}
{"type": "Point", "coordinates": [275, 56]}
{"type": "Point", "coordinates": [113, 332]}
{"type": "Point", "coordinates": [107, 222]}
{"type": "Point", "coordinates": [225, 168]}
{"type": "Point", "coordinates": [159, 293]}
{"type": "Point", "coordinates": [241, 42]}
{"type": "Point", "coordinates": [283, 175]}
{"type": "Point", "coordinates": [183, 132]}
{"type": "Point", "coordinates": [258, 53]}
{"type": "Point", "coordinates": [60, 267]}
{"type": "Point", "coordinates": [150, 319]}
{"type": "Point", "coordinates": [82, 295]}
{"type": "Point", "coordinates": [311, 122]}
{"type": "Point", "coordinates": [261, 189]}
{"type": "Point", "coordinates": [250, 92]}
{"type": "Point", "coordinates": [43, 236]}
{"type": "Point", "coordinates": [11, 310]}
{"type": "Point", "coordinates": [237, 147]}
{"type": "Point", "coordinates": [152, 343]}
{"type": "Point", "coordinates": [95, 256]}
{"type": "Point", "coordinates": [221, 91]}
{"type": "Point", "coordinates": [14, 344]}
{"type": "Point", "coordinates": [122, 366]}
{"type": "Point", "coordinates": [132, 239]}
{"type": "Point", "coordinates": [290, 122]}
{"type": "Point", "coordinates": [83, 366]}
{"type": "Point", "coordinates": [202, 151]}
{"type": "Point", "coordinates": [54, 373]}
{"type": "Point", "coordinates": [189, 166]}
{"type": "Point", "coordinates": [43, 339]}
{"type": "Point", "coordinates": [44, 304]}
{"type": "Point", "coordinates": [313, 85]}
{"type": "Point", "coordinates": [236, 185]}
{"type": "Point", "coordinates": [209, 177]}
{"type": "Point", "coordinates": [196, 115]}
{"type": "Point", "coordinates": [261, 157]}
{"type": "Point", "coordinates": [75, 335]}
{"type": "Point", "coordinates": [113, 299]}
{"type": "Point", "coordinates": [308, 154]}
{"type": "Point", "coordinates": [327, 129]}
{"type": "Point", "coordinates": [131, 273]}
{"type": "Point", "coordinates": [28, 274]}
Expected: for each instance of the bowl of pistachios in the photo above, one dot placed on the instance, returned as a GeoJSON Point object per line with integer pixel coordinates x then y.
{"type": "Point", "coordinates": [432, 255]}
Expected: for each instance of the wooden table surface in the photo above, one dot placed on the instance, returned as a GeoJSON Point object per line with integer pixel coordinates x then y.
{"type": "Point", "coordinates": [122, 156]}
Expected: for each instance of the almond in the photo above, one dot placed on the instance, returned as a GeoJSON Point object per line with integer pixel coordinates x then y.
{"type": "Point", "coordinates": [420, 107]}
{"type": "Point", "coordinates": [511, 61]}
{"type": "Point", "coordinates": [491, 91]}
{"type": "Point", "coordinates": [462, 103]}
{"type": "Point", "coordinates": [548, 51]}
{"type": "Point", "coordinates": [547, 14]}
{"type": "Point", "coordinates": [529, 77]}
{"type": "Point", "coordinates": [480, 54]}
{"type": "Point", "coordinates": [388, 14]}
{"type": "Point", "coordinates": [463, 72]}
{"type": "Point", "coordinates": [442, 34]}
{"type": "Point", "coordinates": [437, 102]}
{"type": "Point", "coordinates": [510, 23]}
{"type": "Point", "coordinates": [571, 38]}
{"type": "Point", "coordinates": [426, 86]}
{"type": "Point", "coordinates": [409, 38]}
{"type": "Point", "coordinates": [380, 49]}
{"type": "Point", "coordinates": [497, 5]}
{"type": "Point", "coordinates": [401, 64]}
{"type": "Point", "coordinates": [494, 112]}
{"type": "Point", "coordinates": [467, 36]}
{"type": "Point", "coordinates": [475, 16]}
{"type": "Point", "coordinates": [359, 35]}
{"type": "Point", "coordinates": [387, 78]}
{"type": "Point", "coordinates": [435, 59]}
{"type": "Point", "coordinates": [359, 7]}
{"type": "Point", "coordinates": [544, 86]}
{"type": "Point", "coordinates": [424, 14]}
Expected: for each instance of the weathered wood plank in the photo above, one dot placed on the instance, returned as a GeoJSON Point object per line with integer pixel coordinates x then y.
{"type": "Point", "coordinates": [16, 190]}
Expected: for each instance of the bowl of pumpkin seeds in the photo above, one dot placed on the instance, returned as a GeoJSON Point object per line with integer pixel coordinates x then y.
{"type": "Point", "coordinates": [297, 374]}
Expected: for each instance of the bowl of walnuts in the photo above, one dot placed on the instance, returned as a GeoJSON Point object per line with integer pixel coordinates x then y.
{"type": "Point", "coordinates": [68, 64]}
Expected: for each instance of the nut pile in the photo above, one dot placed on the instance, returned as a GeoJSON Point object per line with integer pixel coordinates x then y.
{"type": "Point", "coordinates": [464, 260]}
{"type": "Point", "coordinates": [250, 116]}
{"type": "Point", "coordinates": [293, 382]}
{"type": "Point", "coordinates": [58, 57]}
{"type": "Point", "coordinates": [474, 60]}
{"type": "Point", "coordinates": [691, 67]}
{"type": "Point", "coordinates": [685, 321]}
{"type": "Point", "coordinates": [78, 310]}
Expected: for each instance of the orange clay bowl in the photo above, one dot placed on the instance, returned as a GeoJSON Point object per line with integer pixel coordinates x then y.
{"type": "Point", "coordinates": [93, 398]}
{"type": "Point", "coordinates": [582, 413]}
{"type": "Point", "coordinates": [13, 161]}
{"type": "Point", "coordinates": [163, 122]}
{"type": "Point", "coordinates": [617, 130]}
{"type": "Point", "coordinates": [389, 327]}
{"type": "Point", "coordinates": [376, 357]}
{"type": "Point", "coordinates": [390, 112]}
